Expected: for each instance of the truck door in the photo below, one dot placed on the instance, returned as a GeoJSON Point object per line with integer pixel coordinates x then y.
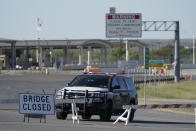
{"type": "Point", "coordinates": [121, 94]}
{"type": "Point", "coordinates": [124, 93]}
{"type": "Point", "coordinates": [116, 94]}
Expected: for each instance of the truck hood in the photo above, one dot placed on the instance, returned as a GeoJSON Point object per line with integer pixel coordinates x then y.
{"type": "Point", "coordinates": [84, 88]}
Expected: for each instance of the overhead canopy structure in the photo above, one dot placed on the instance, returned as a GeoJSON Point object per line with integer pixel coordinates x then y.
{"type": "Point", "coordinates": [6, 41]}
{"type": "Point", "coordinates": [73, 43]}
{"type": "Point", "coordinates": [10, 43]}
{"type": "Point", "coordinates": [102, 44]}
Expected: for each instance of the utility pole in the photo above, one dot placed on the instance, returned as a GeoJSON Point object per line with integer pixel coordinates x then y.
{"type": "Point", "coordinates": [177, 53]}
{"type": "Point", "coordinates": [193, 48]}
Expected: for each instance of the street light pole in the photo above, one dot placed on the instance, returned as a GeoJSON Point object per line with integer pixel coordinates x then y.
{"type": "Point", "coordinates": [193, 48]}
{"type": "Point", "coordinates": [177, 53]}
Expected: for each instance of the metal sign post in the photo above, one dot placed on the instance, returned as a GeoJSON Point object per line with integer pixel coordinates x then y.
{"type": "Point", "coordinates": [177, 53]}
{"type": "Point", "coordinates": [146, 66]}
{"type": "Point", "coordinates": [145, 87]}
{"type": "Point", "coordinates": [155, 79]}
{"type": "Point", "coordinates": [167, 26]}
{"type": "Point", "coordinates": [193, 48]}
{"type": "Point", "coordinates": [146, 58]}
{"type": "Point", "coordinates": [195, 116]}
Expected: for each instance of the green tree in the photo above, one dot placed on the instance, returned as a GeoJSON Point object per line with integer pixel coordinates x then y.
{"type": "Point", "coordinates": [134, 55]}
{"type": "Point", "coordinates": [186, 53]}
{"type": "Point", "coordinates": [58, 53]}
{"type": "Point", "coordinates": [162, 53]}
{"type": "Point", "coordinates": [96, 56]}
{"type": "Point", "coordinates": [73, 54]}
{"type": "Point", "coordinates": [117, 54]}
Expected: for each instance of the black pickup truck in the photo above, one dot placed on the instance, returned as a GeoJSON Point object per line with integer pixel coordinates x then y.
{"type": "Point", "coordinates": [103, 95]}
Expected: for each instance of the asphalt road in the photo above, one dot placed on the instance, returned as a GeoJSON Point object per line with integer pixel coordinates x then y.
{"type": "Point", "coordinates": [148, 120]}
{"type": "Point", "coordinates": [11, 120]}
{"type": "Point", "coordinates": [12, 85]}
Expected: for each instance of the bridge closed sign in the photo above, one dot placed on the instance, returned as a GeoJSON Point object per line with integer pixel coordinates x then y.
{"type": "Point", "coordinates": [36, 104]}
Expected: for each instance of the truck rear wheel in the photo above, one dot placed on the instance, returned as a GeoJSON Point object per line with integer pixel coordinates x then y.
{"type": "Point", "coordinates": [131, 117]}
{"type": "Point", "coordinates": [132, 113]}
{"type": "Point", "coordinates": [86, 116]}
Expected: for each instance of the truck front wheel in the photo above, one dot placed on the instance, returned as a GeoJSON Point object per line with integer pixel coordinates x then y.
{"type": "Point", "coordinates": [106, 114]}
{"type": "Point", "coordinates": [61, 115]}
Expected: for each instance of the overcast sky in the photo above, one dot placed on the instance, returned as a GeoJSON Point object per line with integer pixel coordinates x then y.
{"type": "Point", "coordinates": [85, 19]}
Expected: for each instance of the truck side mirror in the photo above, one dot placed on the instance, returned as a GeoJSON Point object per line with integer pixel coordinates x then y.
{"type": "Point", "coordinates": [67, 84]}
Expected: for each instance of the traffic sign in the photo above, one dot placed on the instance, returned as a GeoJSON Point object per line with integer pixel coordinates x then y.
{"type": "Point", "coordinates": [156, 63]}
{"type": "Point", "coordinates": [36, 104]}
{"type": "Point", "coordinates": [123, 25]}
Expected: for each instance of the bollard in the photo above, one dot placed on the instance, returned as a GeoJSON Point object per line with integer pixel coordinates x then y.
{"type": "Point", "coordinates": [195, 116]}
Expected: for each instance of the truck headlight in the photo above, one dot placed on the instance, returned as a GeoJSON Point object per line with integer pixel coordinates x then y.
{"type": "Point", "coordinates": [59, 94]}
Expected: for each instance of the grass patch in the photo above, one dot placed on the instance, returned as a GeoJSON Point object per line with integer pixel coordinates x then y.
{"type": "Point", "coordinates": [180, 90]}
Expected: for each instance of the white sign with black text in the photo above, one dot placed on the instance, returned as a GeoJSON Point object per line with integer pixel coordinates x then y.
{"type": "Point", "coordinates": [36, 104]}
{"type": "Point", "coordinates": [123, 25]}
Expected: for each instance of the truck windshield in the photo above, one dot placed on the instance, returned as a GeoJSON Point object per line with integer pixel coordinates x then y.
{"type": "Point", "coordinates": [91, 81]}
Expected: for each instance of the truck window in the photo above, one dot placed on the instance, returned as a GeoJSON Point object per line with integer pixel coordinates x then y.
{"type": "Point", "coordinates": [130, 83]}
{"type": "Point", "coordinates": [91, 81]}
{"type": "Point", "coordinates": [122, 84]}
